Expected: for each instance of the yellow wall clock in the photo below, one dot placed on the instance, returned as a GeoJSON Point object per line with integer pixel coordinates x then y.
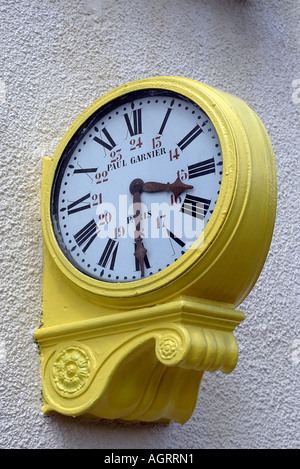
{"type": "Point", "coordinates": [158, 209]}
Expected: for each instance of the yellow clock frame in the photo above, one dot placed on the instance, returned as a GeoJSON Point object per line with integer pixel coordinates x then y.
{"type": "Point", "coordinates": [114, 351]}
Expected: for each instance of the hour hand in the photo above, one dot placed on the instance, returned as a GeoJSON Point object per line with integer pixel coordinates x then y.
{"type": "Point", "coordinates": [176, 187]}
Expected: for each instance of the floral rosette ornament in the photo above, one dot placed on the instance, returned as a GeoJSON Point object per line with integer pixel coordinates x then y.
{"type": "Point", "coordinates": [168, 349]}
{"type": "Point", "coordinates": [71, 370]}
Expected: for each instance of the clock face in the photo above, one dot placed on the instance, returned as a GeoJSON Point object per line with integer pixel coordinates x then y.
{"type": "Point", "coordinates": [136, 186]}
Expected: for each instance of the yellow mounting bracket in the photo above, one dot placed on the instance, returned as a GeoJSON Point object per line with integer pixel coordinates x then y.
{"type": "Point", "coordinates": [137, 351]}
{"type": "Point", "coordinates": [145, 364]}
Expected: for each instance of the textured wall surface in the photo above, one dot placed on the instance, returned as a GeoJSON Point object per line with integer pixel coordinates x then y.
{"type": "Point", "coordinates": [57, 57]}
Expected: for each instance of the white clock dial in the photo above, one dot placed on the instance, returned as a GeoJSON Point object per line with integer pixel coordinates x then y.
{"type": "Point", "coordinates": [109, 221]}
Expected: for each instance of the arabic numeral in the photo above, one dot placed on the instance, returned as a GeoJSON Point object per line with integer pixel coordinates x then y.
{"type": "Point", "coordinates": [181, 174]}
{"type": "Point", "coordinates": [101, 177]}
{"type": "Point", "coordinates": [174, 154]}
{"type": "Point", "coordinates": [119, 232]}
{"type": "Point", "coordinates": [105, 218]}
{"type": "Point", "coordinates": [115, 155]}
{"type": "Point", "coordinates": [97, 198]}
{"type": "Point", "coordinates": [135, 143]}
{"type": "Point", "coordinates": [175, 200]}
{"type": "Point", "coordinates": [156, 142]}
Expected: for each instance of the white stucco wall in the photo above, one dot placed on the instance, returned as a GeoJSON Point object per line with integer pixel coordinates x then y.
{"type": "Point", "coordinates": [57, 57]}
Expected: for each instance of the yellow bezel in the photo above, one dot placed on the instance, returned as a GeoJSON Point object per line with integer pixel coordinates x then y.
{"type": "Point", "coordinates": [186, 273]}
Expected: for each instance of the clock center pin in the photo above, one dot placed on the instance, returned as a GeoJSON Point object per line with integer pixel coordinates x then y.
{"type": "Point", "coordinates": [136, 186]}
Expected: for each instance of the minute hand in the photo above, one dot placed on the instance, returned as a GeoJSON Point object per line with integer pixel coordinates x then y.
{"type": "Point", "coordinates": [176, 187]}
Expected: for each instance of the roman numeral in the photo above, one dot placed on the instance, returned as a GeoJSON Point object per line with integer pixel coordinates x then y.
{"type": "Point", "coordinates": [110, 144]}
{"type": "Point", "coordinates": [202, 168]}
{"type": "Point", "coordinates": [86, 235]}
{"type": "Point", "coordinates": [190, 137]}
{"type": "Point", "coordinates": [195, 206]}
{"type": "Point", "coordinates": [165, 121]}
{"type": "Point", "coordinates": [109, 253]}
{"type": "Point", "coordinates": [76, 207]}
{"type": "Point", "coordinates": [137, 264]}
{"type": "Point", "coordinates": [85, 170]}
{"type": "Point", "coordinates": [177, 240]}
{"type": "Point", "coordinates": [136, 120]}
